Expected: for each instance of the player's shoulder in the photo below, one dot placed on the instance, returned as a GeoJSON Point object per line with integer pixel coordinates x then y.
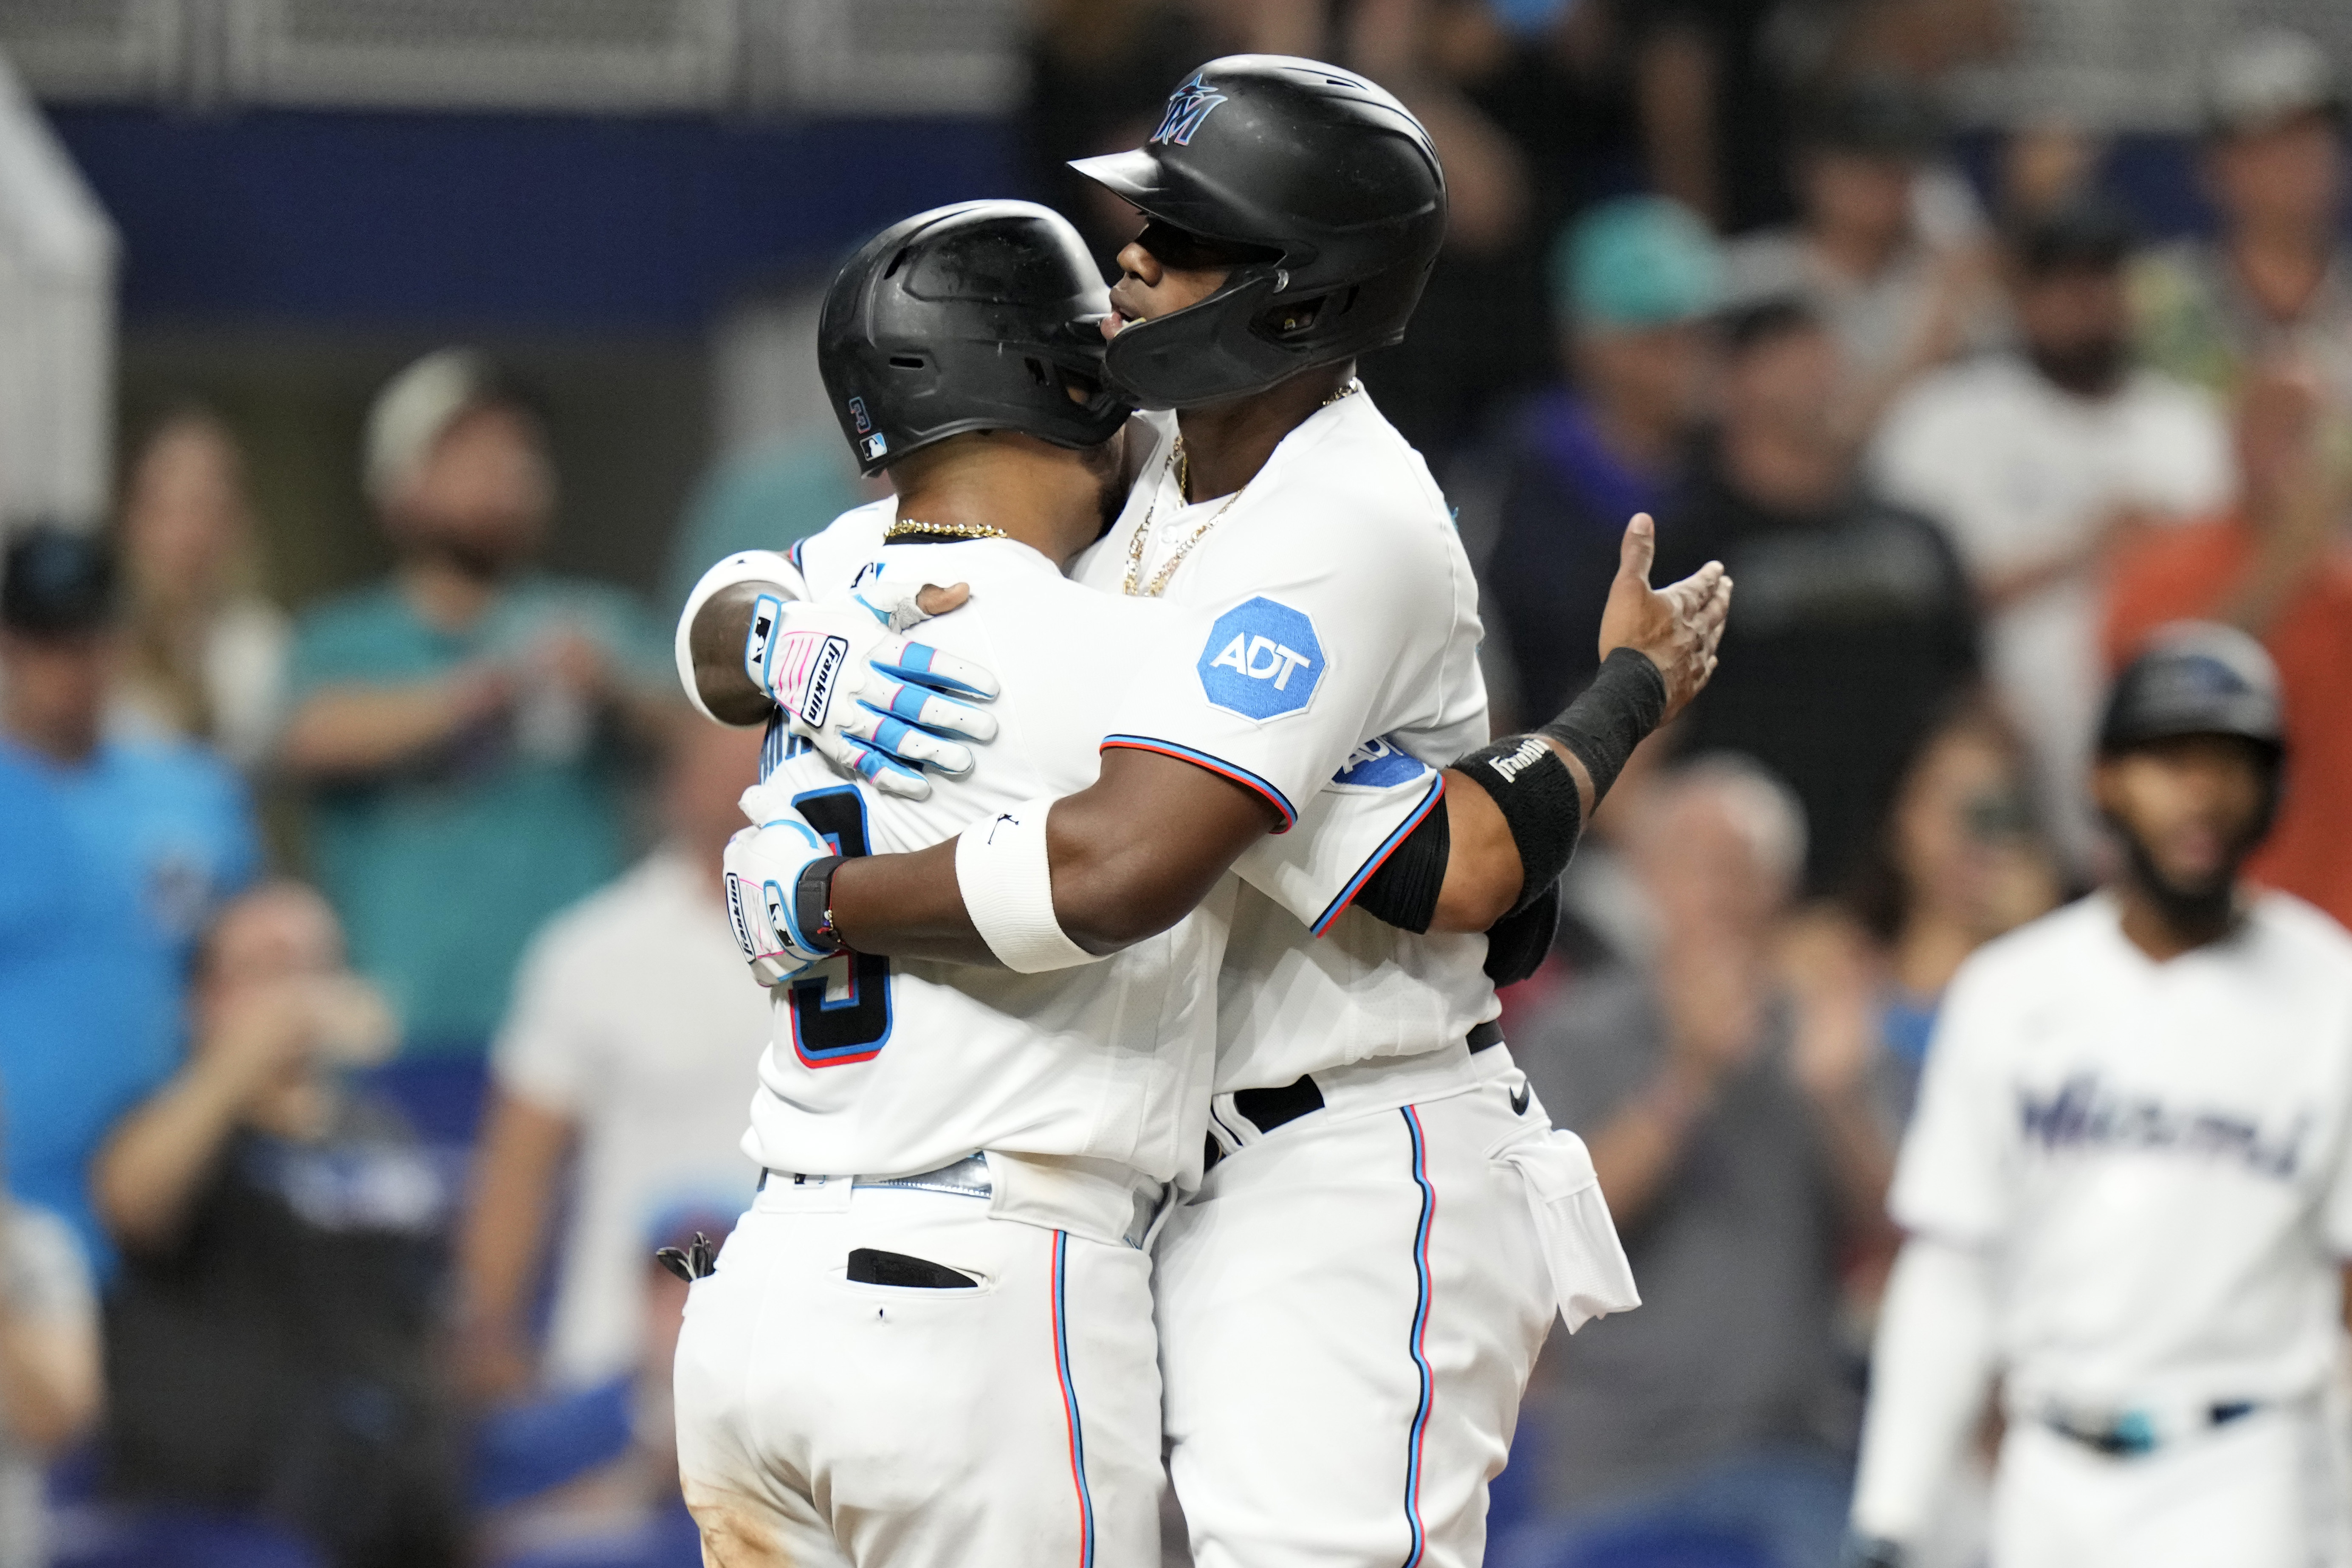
{"type": "Point", "coordinates": [2307, 941]}
{"type": "Point", "coordinates": [2049, 952]}
{"type": "Point", "coordinates": [831, 558]}
{"type": "Point", "coordinates": [1351, 454]}
{"type": "Point", "coordinates": [1351, 494]}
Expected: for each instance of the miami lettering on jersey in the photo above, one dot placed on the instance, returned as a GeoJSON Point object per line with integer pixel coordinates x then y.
{"type": "Point", "coordinates": [1262, 660]}
{"type": "Point", "coordinates": [2088, 1113]}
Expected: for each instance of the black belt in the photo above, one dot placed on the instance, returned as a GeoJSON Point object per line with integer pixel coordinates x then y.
{"type": "Point", "coordinates": [1268, 1109]}
{"type": "Point", "coordinates": [2130, 1435]}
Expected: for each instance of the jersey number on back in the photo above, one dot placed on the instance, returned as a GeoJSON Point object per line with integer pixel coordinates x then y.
{"type": "Point", "coordinates": [832, 1032]}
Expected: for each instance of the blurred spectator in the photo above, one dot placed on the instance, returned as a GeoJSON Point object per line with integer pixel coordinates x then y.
{"type": "Point", "coordinates": [1632, 279]}
{"type": "Point", "coordinates": [114, 851]}
{"type": "Point", "coordinates": [457, 722]}
{"type": "Point", "coordinates": [267, 1345]}
{"type": "Point", "coordinates": [2040, 461]}
{"type": "Point", "coordinates": [1717, 81]}
{"type": "Point", "coordinates": [2278, 280]}
{"type": "Point", "coordinates": [205, 654]}
{"type": "Point", "coordinates": [1854, 620]}
{"type": "Point", "coordinates": [2276, 565]}
{"type": "Point", "coordinates": [50, 1374]}
{"type": "Point", "coordinates": [170, 826]}
{"type": "Point", "coordinates": [1957, 864]}
{"type": "Point", "coordinates": [1889, 249]}
{"type": "Point", "coordinates": [589, 1479]}
{"type": "Point", "coordinates": [1731, 1116]}
{"type": "Point", "coordinates": [634, 1037]}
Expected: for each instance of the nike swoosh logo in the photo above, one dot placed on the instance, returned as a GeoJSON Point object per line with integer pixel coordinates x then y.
{"type": "Point", "coordinates": [1519, 1100]}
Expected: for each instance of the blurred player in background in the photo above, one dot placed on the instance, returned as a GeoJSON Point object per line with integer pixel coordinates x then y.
{"type": "Point", "coordinates": [2127, 1188]}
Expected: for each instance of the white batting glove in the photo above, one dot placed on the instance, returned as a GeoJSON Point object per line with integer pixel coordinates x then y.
{"type": "Point", "coordinates": [874, 705]}
{"type": "Point", "coordinates": [761, 869]}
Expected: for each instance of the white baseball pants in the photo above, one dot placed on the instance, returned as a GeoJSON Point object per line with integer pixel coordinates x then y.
{"type": "Point", "coordinates": [827, 1423]}
{"type": "Point", "coordinates": [1348, 1310]}
{"type": "Point", "coordinates": [2265, 1491]}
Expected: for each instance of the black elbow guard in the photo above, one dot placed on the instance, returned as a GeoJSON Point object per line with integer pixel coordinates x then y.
{"type": "Point", "coordinates": [1517, 944]}
{"type": "Point", "coordinates": [1537, 796]}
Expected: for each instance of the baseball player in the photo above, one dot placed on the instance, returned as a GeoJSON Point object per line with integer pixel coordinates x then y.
{"type": "Point", "coordinates": [1351, 1303]}
{"type": "Point", "coordinates": [896, 1092]}
{"type": "Point", "coordinates": [2127, 1190]}
{"type": "Point", "coordinates": [929, 1341]}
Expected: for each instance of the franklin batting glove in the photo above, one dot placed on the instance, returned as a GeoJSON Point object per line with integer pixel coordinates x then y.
{"type": "Point", "coordinates": [776, 916]}
{"type": "Point", "coordinates": [874, 705]}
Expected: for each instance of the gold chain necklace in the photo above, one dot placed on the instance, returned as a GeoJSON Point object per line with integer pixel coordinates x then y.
{"type": "Point", "coordinates": [1180, 467]}
{"type": "Point", "coordinates": [907, 527]}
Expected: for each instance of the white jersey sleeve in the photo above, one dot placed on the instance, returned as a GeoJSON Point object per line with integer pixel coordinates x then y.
{"type": "Point", "coordinates": [1346, 832]}
{"type": "Point", "coordinates": [1950, 1178]}
{"type": "Point", "coordinates": [1342, 628]}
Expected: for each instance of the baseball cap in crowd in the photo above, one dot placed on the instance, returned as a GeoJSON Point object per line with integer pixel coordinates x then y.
{"type": "Point", "coordinates": [2088, 233]}
{"type": "Point", "coordinates": [1878, 116]}
{"type": "Point", "coordinates": [416, 405]}
{"type": "Point", "coordinates": [1636, 262]}
{"type": "Point", "coordinates": [55, 583]}
{"type": "Point", "coordinates": [2268, 78]}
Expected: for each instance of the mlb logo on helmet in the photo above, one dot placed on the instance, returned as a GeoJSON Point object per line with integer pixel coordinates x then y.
{"type": "Point", "coordinates": [1262, 660]}
{"type": "Point", "coordinates": [872, 447]}
{"type": "Point", "coordinates": [1187, 107]}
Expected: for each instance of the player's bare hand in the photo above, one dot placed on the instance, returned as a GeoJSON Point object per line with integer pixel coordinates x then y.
{"type": "Point", "coordinates": [934, 600]}
{"type": "Point", "coordinates": [1678, 627]}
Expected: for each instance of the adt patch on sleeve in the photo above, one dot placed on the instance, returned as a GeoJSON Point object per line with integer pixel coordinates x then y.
{"type": "Point", "coordinates": [1261, 661]}
{"type": "Point", "coordinates": [1379, 763]}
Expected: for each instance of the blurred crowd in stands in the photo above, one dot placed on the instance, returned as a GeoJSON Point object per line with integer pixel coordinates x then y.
{"type": "Point", "coordinates": [367, 1011]}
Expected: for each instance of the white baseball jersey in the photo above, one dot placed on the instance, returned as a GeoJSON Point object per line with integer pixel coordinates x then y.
{"type": "Point", "coordinates": [880, 1067]}
{"type": "Point", "coordinates": [2153, 1155]}
{"type": "Point", "coordinates": [1340, 606]}
{"type": "Point", "coordinates": [886, 1067]}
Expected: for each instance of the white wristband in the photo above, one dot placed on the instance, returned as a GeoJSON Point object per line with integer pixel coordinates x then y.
{"type": "Point", "coordinates": [1008, 891]}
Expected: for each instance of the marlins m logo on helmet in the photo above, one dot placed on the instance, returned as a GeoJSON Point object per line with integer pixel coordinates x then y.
{"type": "Point", "coordinates": [1187, 107]}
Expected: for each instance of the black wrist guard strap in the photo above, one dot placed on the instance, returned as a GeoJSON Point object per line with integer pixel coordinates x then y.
{"type": "Point", "coordinates": [1538, 798]}
{"type": "Point", "coordinates": [1612, 716]}
{"type": "Point", "coordinates": [812, 902]}
{"type": "Point", "coordinates": [1403, 891]}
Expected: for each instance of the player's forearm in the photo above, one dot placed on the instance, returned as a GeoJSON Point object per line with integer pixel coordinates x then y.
{"type": "Point", "coordinates": [907, 906]}
{"type": "Point", "coordinates": [1930, 1370]}
{"type": "Point", "coordinates": [1127, 858]}
{"type": "Point", "coordinates": [1485, 873]}
{"type": "Point", "coordinates": [715, 642]}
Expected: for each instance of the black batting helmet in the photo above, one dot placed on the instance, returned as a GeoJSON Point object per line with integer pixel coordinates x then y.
{"type": "Point", "coordinates": [2196, 678]}
{"type": "Point", "coordinates": [980, 316]}
{"type": "Point", "coordinates": [1326, 182]}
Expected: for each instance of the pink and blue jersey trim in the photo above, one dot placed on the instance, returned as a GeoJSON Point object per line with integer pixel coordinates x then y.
{"type": "Point", "coordinates": [1070, 1400]}
{"type": "Point", "coordinates": [1233, 771]}
{"type": "Point", "coordinates": [1417, 1437]}
{"type": "Point", "coordinates": [1380, 857]}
